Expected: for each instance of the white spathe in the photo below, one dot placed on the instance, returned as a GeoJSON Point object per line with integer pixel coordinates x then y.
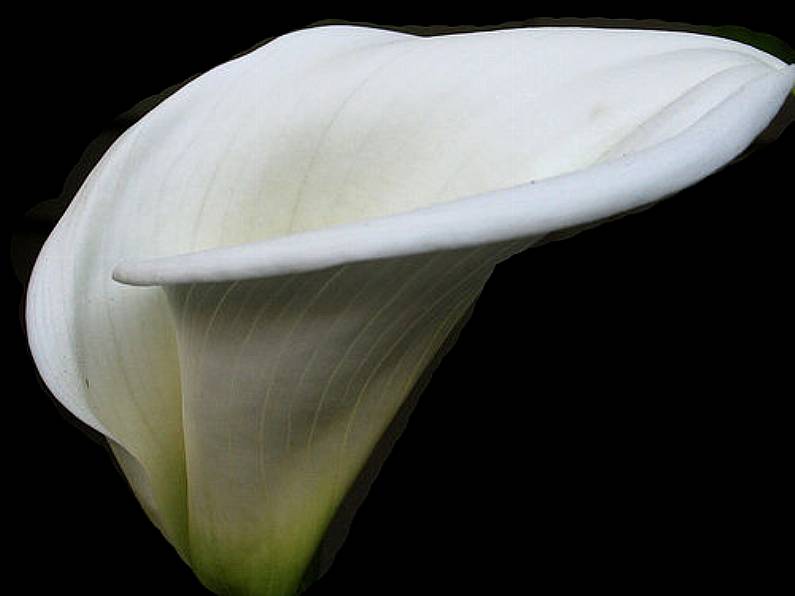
{"type": "Point", "coordinates": [320, 213]}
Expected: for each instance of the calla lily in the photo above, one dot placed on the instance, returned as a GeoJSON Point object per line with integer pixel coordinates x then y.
{"type": "Point", "coordinates": [255, 275]}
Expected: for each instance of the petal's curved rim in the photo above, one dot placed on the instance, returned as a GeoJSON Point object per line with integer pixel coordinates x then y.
{"type": "Point", "coordinates": [527, 210]}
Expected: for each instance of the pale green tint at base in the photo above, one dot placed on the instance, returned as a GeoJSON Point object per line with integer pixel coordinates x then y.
{"type": "Point", "coordinates": [299, 463]}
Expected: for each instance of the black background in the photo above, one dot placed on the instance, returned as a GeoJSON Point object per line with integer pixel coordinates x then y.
{"type": "Point", "coordinates": [612, 416]}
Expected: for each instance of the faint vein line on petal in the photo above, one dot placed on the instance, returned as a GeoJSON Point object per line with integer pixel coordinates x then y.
{"type": "Point", "coordinates": [106, 256]}
{"type": "Point", "coordinates": [285, 286]}
{"type": "Point", "coordinates": [405, 332]}
{"type": "Point", "coordinates": [367, 78]}
{"type": "Point", "coordinates": [436, 106]}
{"type": "Point", "coordinates": [440, 332]}
{"type": "Point", "coordinates": [349, 304]}
{"type": "Point", "coordinates": [436, 340]}
{"type": "Point", "coordinates": [454, 316]}
{"type": "Point", "coordinates": [208, 326]}
{"type": "Point", "coordinates": [271, 368]}
{"type": "Point", "coordinates": [206, 192]}
{"type": "Point", "coordinates": [326, 333]}
{"type": "Point", "coordinates": [238, 80]}
{"type": "Point", "coordinates": [252, 289]}
{"type": "Point", "coordinates": [428, 290]}
{"type": "Point", "coordinates": [186, 148]}
{"type": "Point", "coordinates": [184, 151]}
{"type": "Point", "coordinates": [434, 343]}
{"type": "Point", "coordinates": [319, 407]}
{"type": "Point", "coordinates": [415, 275]}
{"type": "Point", "coordinates": [184, 330]}
{"type": "Point", "coordinates": [432, 346]}
{"type": "Point", "coordinates": [297, 322]}
{"type": "Point", "coordinates": [370, 280]}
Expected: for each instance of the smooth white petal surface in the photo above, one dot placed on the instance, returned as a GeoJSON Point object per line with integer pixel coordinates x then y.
{"type": "Point", "coordinates": [321, 212]}
{"type": "Point", "coordinates": [287, 385]}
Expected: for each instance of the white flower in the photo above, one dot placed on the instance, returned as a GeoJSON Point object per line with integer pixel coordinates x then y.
{"type": "Point", "coordinates": [311, 220]}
